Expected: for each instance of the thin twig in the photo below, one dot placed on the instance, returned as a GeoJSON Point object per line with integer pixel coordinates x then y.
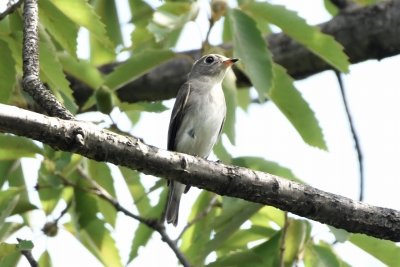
{"type": "Point", "coordinates": [151, 223]}
{"type": "Point", "coordinates": [10, 9]}
{"type": "Point", "coordinates": [206, 43]}
{"type": "Point", "coordinates": [355, 136]}
{"type": "Point", "coordinates": [63, 212]}
{"type": "Point", "coordinates": [30, 55]}
{"type": "Point", "coordinates": [201, 215]}
{"type": "Point", "coordinates": [28, 255]}
{"type": "Point", "coordinates": [282, 245]}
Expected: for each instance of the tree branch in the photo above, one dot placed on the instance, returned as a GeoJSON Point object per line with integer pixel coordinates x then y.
{"type": "Point", "coordinates": [10, 9]}
{"type": "Point", "coordinates": [93, 142]}
{"type": "Point", "coordinates": [365, 33]}
{"type": "Point", "coordinates": [30, 81]}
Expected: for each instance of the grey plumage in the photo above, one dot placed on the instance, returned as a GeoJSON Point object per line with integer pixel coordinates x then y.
{"type": "Point", "coordinates": [197, 118]}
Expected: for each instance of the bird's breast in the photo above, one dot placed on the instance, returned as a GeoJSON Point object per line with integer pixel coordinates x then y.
{"type": "Point", "coordinates": [200, 127]}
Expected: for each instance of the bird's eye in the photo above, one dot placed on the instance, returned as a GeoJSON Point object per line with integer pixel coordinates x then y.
{"type": "Point", "coordinates": [209, 60]}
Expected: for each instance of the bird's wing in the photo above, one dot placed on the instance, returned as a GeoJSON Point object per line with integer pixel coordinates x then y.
{"type": "Point", "coordinates": [177, 115]}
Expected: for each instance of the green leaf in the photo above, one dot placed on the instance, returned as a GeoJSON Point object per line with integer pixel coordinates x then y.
{"type": "Point", "coordinates": [296, 109]}
{"type": "Point", "coordinates": [320, 255]}
{"type": "Point", "coordinates": [143, 233]}
{"type": "Point", "coordinates": [15, 147]}
{"type": "Point", "coordinates": [91, 231]}
{"type": "Point", "coordinates": [83, 14]}
{"type": "Point", "coordinates": [241, 238]}
{"type": "Point", "coordinates": [230, 91]}
{"type": "Point", "coordinates": [297, 233]}
{"type": "Point", "coordinates": [250, 47]}
{"type": "Point", "coordinates": [100, 172]}
{"type": "Point", "coordinates": [81, 70]}
{"type": "Point", "coordinates": [24, 245]}
{"type": "Point", "coordinates": [10, 260]}
{"type": "Point", "coordinates": [199, 234]}
{"type": "Point", "coordinates": [137, 190]}
{"type": "Point", "coordinates": [141, 12]}
{"type": "Point", "coordinates": [234, 213]}
{"type": "Point", "coordinates": [265, 254]}
{"type": "Point", "coordinates": [331, 8]}
{"type": "Point", "coordinates": [156, 107]}
{"type": "Point", "coordinates": [169, 19]}
{"type": "Point", "coordinates": [341, 235]}
{"type": "Point", "coordinates": [243, 97]}
{"type": "Point", "coordinates": [50, 186]}
{"type": "Point", "coordinates": [143, 39]}
{"type": "Point", "coordinates": [51, 72]}
{"type": "Point", "coordinates": [9, 228]}
{"type": "Point", "coordinates": [269, 216]}
{"type": "Point", "coordinates": [107, 11]}
{"type": "Point", "coordinates": [104, 100]}
{"type": "Point", "coordinates": [64, 31]}
{"type": "Point", "coordinates": [45, 260]}
{"type": "Point", "coordinates": [260, 164]}
{"type": "Point", "coordinates": [136, 66]}
{"type": "Point", "coordinates": [7, 72]}
{"type": "Point", "coordinates": [7, 249]}
{"type": "Point", "coordinates": [8, 201]}
{"type": "Point", "coordinates": [5, 168]}
{"type": "Point", "coordinates": [321, 44]}
{"type": "Point", "coordinates": [385, 251]}
{"type": "Point", "coordinates": [221, 152]}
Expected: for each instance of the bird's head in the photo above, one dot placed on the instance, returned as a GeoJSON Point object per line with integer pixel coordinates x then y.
{"type": "Point", "coordinates": [212, 67]}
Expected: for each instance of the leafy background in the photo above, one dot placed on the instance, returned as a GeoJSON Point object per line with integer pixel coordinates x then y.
{"type": "Point", "coordinates": [301, 133]}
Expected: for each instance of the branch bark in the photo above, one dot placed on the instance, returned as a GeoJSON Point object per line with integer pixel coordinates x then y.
{"type": "Point", "coordinates": [93, 142]}
{"type": "Point", "coordinates": [365, 33]}
{"type": "Point", "coordinates": [31, 81]}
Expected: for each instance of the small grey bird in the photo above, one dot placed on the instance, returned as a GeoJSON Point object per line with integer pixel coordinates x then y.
{"type": "Point", "coordinates": [197, 118]}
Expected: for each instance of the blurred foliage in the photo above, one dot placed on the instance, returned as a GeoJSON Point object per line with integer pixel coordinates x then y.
{"type": "Point", "coordinates": [232, 231]}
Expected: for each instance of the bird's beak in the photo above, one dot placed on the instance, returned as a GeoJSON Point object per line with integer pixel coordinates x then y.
{"type": "Point", "coordinates": [230, 61]}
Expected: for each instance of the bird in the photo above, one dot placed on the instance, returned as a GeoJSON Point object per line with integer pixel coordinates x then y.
{"type": "Point", "coordinates": [197, 118]}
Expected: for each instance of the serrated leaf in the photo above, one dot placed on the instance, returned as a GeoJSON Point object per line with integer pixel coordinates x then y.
{"type": "Point", "coordinates": [385, 251]}
{"type": "Point", "coordinates": [83, 14]}
{"type": "Point", "coordinates": [7, 72]}
{"type": "Point", "coordinates": [15, 147]}
{"type": "Point", "coordinates": [142, 39]}
{"type": "Point", "coordinates": [291, 103]}
{"type": "Point", "coordinates": [64, 31]}
{"type": "Point", "coordinates": [107, 10]}
{"type": "Point", "coordinates": [81, 70]}
{"type": "Point", "coordinates": [135, 67]}
{"type": "Point", "coordinates": [250, 47]}
{"type": "Point", "coordinates": [230, 91]}
{"type": "Point", "coordinates": [321, 44]}
{"type": "Point", "coordinates": [51, 72]}
{"type": "Point", "coordinates": [260, 164]}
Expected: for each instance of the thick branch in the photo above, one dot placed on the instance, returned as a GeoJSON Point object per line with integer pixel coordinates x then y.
{"type": "Point", "coordinates": [31, 82]}
{"type": "Point", "coordinates": [93, 142]}
{"type": "Point", "coordinates": [366, 33]}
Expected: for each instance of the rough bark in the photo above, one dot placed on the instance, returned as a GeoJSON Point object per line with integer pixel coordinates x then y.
{"type": "Point", "coordinates": [93, 142]}
{"type": "Point", "coordinates": [365, 33]}
{"type": "Point", "coordinates": [31, 81]}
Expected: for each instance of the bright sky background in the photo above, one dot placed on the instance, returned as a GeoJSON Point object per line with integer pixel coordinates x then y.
{"type": "Point", "coordinates": [373, 93]}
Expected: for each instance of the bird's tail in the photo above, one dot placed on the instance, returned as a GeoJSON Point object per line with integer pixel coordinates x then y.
{"type": "Point", "coordinates": [174, 197]}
